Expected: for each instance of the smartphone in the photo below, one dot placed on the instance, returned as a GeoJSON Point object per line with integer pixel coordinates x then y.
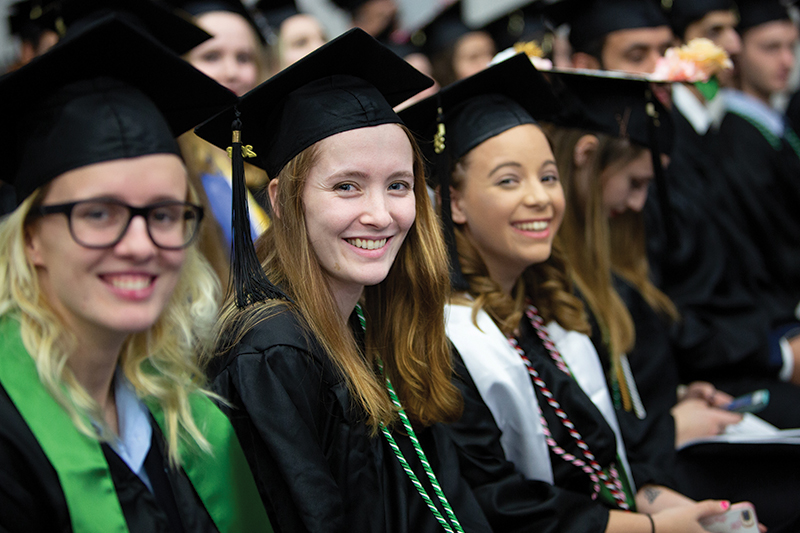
{"type": "Point", "coordinates": [740, 518]}
{"type": "Point", "coordinates": [750, 403]}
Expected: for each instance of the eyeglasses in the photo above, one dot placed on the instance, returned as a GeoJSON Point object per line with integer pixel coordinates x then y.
{"type": "Point", "coordinates": [171, 225]}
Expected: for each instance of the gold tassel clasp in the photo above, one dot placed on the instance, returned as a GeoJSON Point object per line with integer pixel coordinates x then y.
{"type": "Point", "coordinates": [438, 139]}
{"type": "Point", "coordinates": [247, 151]}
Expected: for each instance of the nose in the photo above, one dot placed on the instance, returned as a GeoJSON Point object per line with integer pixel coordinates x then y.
{"type": "Point", "coordinates": [649, 65]}
{"type": "Point", "coordinates": [136, 242]}
{"type": "Point", "coordinates": [230, 69]}
{"type": "Point", "coordinates": [536, 195]}
{"type": "Point", "coordinates": [788, 56]}
{"type": "Point", "coordinates": [636, 200]}
{"type": "Point", "coordinates": [376, 211]}
{"type": "Point", "coordinates": [731, 42]}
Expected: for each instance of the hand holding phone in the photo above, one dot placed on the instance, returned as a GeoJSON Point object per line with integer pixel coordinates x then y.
{"type": "Point", "coordinates": [750, 403]}
{"type": "Point", "coordinates": [740, 518]}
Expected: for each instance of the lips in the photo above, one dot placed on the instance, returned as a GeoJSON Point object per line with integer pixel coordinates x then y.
{"type": "Point", "coordinates": [368, 244]}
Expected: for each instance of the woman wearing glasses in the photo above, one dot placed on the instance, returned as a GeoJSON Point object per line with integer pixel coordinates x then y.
{"type": "Point", "coordinates": [104, 424]}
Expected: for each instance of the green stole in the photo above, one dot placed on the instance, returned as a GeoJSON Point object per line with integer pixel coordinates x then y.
{"type": "Point", "coordinates": [222, 480]}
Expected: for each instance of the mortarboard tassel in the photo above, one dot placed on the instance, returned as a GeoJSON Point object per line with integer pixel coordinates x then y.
{"type": "Point", "coordinates": [658, 171]}
{"type": "Point", "coordinates": [457, 280]}
{"type": "Point", "coordinates": [249, 281]}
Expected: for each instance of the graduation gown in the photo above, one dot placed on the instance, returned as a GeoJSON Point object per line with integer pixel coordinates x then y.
{"type": "Point", "coordinates": [55, 478]}
{"type": "Point", "coordinates": [537, 491]}
{"type": "Point", "coordinates": [650, 435]}
{"type": "Point", "coordinates": [723, 331]}
{"type": "Point", "coordinates": [761, 192]}
{"type": "Point", "coordinates": [316, 464]}
{"type": "Point", "coordinates": [31, 497]}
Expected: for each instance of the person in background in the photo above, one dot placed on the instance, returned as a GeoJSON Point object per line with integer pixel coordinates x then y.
{"type": "Point", "coordinates": [106, 421]}
{"type": "Point", "coordinates": [623, 35]}
{"type": "Point", "coordinates": [757, 188]}
{"type": "Point", "coordinates": [455, 50]}
{"type": "Point", "coordinates": [236, 59]}
{"type": "Point", "coordinates": [339, 374]}
{"type": "Point", "coordinates": [292, 34]}
{"type": "Point", "coordinates": [723, 332]}
{"type": "Point", "coordinates": [633, 315]}
{"type": "Point", "coordinates": [376, 17]}
{"type": "Point", "coordinates": [715, 20]}
{"type": "Point", "coordinates": [34, 38]}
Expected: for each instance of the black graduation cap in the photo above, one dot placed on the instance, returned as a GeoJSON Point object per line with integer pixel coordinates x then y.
{"type": "Point", "coordinates": [351, 6]}
{"type": "Point", "coordinates": [175, 32]}
{"type": "Point", "coordinates": [195, 8]}
{"type": "Point", "coordinates": [93, 98]}
{"type": "Point", "coordinates": [22, 19]}
{"type": "Point", "coordinates": [348, 83]}
{"type": "Point", "coordinates": [591, 20]}
{"type": "Point", "coordinates": [682, 13]}
{"type": "Point", "coordinates": [620, 105]}
{"type": "Point", "coordinates": [441, 32]}
{"type": "Point", "coordinates": [276, 12]}
{"type": "Point", "coordinates": [521, 25]}
{"type": "Point", "coordinates": [756, 12]}
{"type": "Point", "coordinates": [470, 111]}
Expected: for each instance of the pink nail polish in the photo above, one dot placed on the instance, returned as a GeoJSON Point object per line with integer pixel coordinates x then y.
{"type": "Point", "coordinates": [725, 505]}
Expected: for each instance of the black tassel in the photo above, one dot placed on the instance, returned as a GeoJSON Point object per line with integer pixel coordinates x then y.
{"type": "Point", "coordinates": [442, 165]}
{"type": "Point", "coordinates": [662, 189]}
{"type": "Point", "coordinates": [249, 280]}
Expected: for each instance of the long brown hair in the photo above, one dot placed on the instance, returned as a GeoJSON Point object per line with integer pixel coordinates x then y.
{"type": "Point", "coordinates": [629, 260]}
{"type": "Point", "coordinates": [597, 246]}
{"type": "Point", "coordinates": [547, 284]}
{"type": "Point", "coordinates": [585, 235]}
{"type": "Point", "coordinates": [404, 313]}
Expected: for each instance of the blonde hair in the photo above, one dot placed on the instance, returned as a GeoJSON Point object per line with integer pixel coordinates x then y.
{"type": "Point", "coordinates": [547, 284]}
{"type": "Point", "coordinates": [160, 363]}
{"type": "Point", "coordinates": [404, 313]}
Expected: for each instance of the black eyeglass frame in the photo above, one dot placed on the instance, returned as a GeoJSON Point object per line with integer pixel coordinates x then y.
{"type": "Point", "coordinates": [144, 212]}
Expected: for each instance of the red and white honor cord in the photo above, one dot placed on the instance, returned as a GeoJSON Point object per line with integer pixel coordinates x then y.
{"type": "Point", "coordinates": [590, 466]}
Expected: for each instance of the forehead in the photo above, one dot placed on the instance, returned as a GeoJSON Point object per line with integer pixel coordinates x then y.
{"type": "Point", "coordinates": [525, 144]}
{"type": "Point", "coordinates": [136, 180]}
{"type": "Point", "coordinates": [775, 31]}
{"type": "Point", "coordinates": [224, 23]}
{"type": "Point", "coordinates": [725, 17]}
{"type": "Point", "coordinates": [621, 40]}
{"type": "Point", "coordinates": [375, 149]}
{"type": "Point", "coordinates": [300, 25]}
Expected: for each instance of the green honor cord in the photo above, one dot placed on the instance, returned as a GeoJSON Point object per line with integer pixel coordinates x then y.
{"type": "Point", "coordinates": [420, 453]}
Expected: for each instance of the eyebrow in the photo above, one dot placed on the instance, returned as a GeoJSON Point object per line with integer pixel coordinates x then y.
{"type": "Point", "coordinates": [639, 47]}
{"type": "Point", "coordinates": [519, 165]}
{"type": "Point", "coordinates": [357, 174]}
{"type": "Point", "coordinates": [119, 198]}
{"type": "Point", "coordinates": [506, 164]}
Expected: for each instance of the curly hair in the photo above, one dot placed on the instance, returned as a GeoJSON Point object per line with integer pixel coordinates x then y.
{"type": "Point", "coordinates": [547, 285]}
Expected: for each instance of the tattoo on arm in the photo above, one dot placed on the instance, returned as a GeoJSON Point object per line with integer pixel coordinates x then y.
{"type": "Point", "coordinates": [651, 494]}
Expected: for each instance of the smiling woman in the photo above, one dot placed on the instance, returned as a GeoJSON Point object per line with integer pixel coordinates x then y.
{"type": "Point", "coordinates": [539, 437]}
{"type": "Point", "coordinates": [335, 362]}
{"type": "Point", "coordinates": [363, 207]}
{"type": "Point", "coordinates": [104, 418]}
